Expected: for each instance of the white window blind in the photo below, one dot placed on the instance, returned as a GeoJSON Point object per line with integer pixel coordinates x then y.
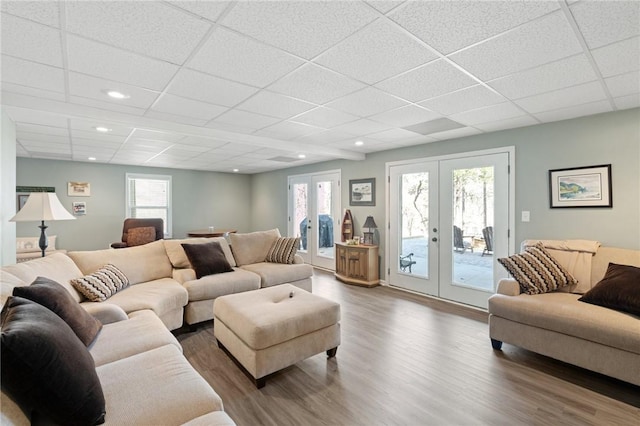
{"type": "Point", "coordinates": [149, 196]}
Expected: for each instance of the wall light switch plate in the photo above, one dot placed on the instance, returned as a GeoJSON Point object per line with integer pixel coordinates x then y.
{"type": "Point", "coordinates": [526, 216]}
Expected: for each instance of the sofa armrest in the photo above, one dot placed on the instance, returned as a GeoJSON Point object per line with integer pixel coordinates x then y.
{"type": "Point", "coordinates": [297, 259]}
{"type": "Point", "coordinates": [106, 313]}
{"type": "Point", "coordinates": [508, 287]}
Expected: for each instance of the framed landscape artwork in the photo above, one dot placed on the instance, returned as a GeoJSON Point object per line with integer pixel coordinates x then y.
{"type": "Point", "coordinates": [362, 192]}
{"type": "Point", "coordinates": [581, 187]}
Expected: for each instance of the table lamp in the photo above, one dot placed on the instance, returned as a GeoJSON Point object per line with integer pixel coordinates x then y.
{"type": "Point", "coordinates": [370, 224]}
{"type": "Point", "coordinates": [41, 206]}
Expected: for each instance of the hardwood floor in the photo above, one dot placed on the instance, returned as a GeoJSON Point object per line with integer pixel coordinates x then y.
{"type": "Point", "coordinates": [412, 360]}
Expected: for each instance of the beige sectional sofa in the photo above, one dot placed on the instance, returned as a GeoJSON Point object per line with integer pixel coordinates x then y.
{"type": "Point", "coordinates": [557, 325]}
{"type": "Point", "coordinates": [144, 376]}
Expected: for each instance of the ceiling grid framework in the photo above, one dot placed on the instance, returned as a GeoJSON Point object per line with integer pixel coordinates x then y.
{"type": "Point", "coordinates": [254, 85]}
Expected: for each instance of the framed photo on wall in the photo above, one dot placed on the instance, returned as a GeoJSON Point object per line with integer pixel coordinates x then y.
{"type": "Point", "coordinates": [362, 192]}
{"type": "Point", "coordinates": [79, 208]}
{"type": "Point", "coordinates": [22, 200]}
{"type": "Point", "coordinates": [79, 189]}
{"type": "Point", "coordinates": [581, 187]}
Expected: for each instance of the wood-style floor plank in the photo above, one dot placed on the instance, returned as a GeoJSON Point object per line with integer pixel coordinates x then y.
{"type": "Point", "coordinates": [412, 360]}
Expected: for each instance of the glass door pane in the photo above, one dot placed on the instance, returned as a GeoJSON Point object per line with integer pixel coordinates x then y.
{"type": "Point", "coordinates": [300, 209]}
{"type": "Point", "coordinates": [324, 219]}
{"type": "Point", "coordinates": [414, 224]}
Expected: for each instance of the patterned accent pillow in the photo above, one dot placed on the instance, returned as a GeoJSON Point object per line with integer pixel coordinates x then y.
{"type": "Point", "coordinates": [102, 284]}
{"type": "Point", "coordinates": [283, 250]}
{"type": "Point", "coordinates": [141, 235]}
{"type": "Point", "coordinates": [537, 271]}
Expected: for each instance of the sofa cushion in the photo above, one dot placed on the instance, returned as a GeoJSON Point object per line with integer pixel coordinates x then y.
{"type": "Point", "coordinates": [46, 368]}
{"type": "Point", "coordinates": [161, 296]}
{"type": "Point", "coordinates": [141, 235]}
{"type": "Point", "coordinates": [619, 289]}
{"type": "Point", "coordinates": [139, 264]}
{"type": "Point", "coordinates": [212, 286]}
{"type": "Point", "coordinates": [178, 257]}
{"type": "Point", "coordinates": [252, 247]}
{"type": "Point", "coordinates": [161, 388]}
{"type": "Point", "coordinates": [207, 259]}
{"type": "Point", "coordinates": [53, 296]}
{"type": "Point", "coordinates": [563, 313]}
{"type": "Point", "coordinates": [283, 250]}
{"type": "Point", "coordinates": [58, 267]}
{"type": "Point", "coordinates": [142, 332]}
{"type": "Point", "coordinates": [276, 273]}
{"type": "Point", "coordinates": [102, 284]}
{"type": "Point", "coordinates": [537, 271]}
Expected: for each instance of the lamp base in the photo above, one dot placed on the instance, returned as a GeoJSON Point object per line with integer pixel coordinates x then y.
{"type": "Point", "coordinates": [43, 243]}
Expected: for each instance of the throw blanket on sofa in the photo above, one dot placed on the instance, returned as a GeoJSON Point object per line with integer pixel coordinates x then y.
{"type": "Point", "coordinates": [575, 256]}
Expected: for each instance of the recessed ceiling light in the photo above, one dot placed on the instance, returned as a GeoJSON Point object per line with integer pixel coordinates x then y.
{"type": "Point", "coordinates": [359, 143]}
{"type": "Point", "coordinates": [115, 94]}
{"type": "Point", "coordinates": [92, 158]}
{"type": "Point", "coordinates": [236, 170]}
{"type": "Point", "coordinates": [102, 129]}
{"type": "Point", "coordinates": [302, 156]}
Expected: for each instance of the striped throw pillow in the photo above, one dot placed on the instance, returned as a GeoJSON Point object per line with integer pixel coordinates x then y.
{"type": "Point", "coordinates": [102, 284]}
{"type": "Point", "coordinates": [283, 250]}
{"type": "Point", "coordinates": [537, 271]}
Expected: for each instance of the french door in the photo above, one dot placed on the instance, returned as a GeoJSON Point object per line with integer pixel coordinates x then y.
{"type": "Point", "coordinates": [449, 221]}
{"type": "Point", "coordinates": [314, 216]}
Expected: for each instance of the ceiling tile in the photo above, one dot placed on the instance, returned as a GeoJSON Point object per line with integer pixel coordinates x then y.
{"type": "Point", "coordinates": [327, 136]}
{"type": "Point", "coordinates": [97, 143]}
{"type": "Point", "coordinates": [31, 74]}
{"type": "Point", "coordinates": [46, 13]}
{"type": "Point", "coordinates": [491, 113]}
{"type": "Point", "coordinates": [244, 120]}
{"type": "Point", "coordinates": [575, 111]}
{"type": "Point", "coordinates": [385, 6]}
{"type": "Point", "coordinates": [570, 96]}
{"type": "Point", "coordinates": [393, 135]}
{"type": "Point", "coordinates": [275, 105]}
{"type": "Point", "coordinates": [20, 116]}
{"type": "Point", "coordinates": [618, 58]}
{"type": "Point", "coordinates": [527, 46]}
{"type": "Point", "coordinates": [627, 102]}
{"type": "Point", "coordinates": [28, 40]}
{"type": "Point", "coordinates": [172, 104]}
{"type": "Point", "coordinates": [45, 130]}
{"type": "Point", "coordinates": [510, 123]}
{"type": "Point", "coordinates": [145, 27]}
{"type": "Point", "coordinates": [39, 137]}
{"type": "Point", "coordinates": [206, 88]}
{"type": "Point", "coordinates": [413, 141]}
{"type": "Point", "coordinates": [207, 9]}
{"type": "Point", "coordinates": [301, 27]}
{"type": "Point", "coordinates": [31, 91]}
{"type": "Point", "coordinates": [288, 130]}
{"type": "Point", "coordinates": [451, 25]}
{"type": "Point", "coordinates": [563, 73]}
{"type": "Point", "coordinates": [463, 100]}
{"type": "Point", "coordinates": [431, 80]}
{"type": "Point", "coordinates": [241, 59]}
{"type": "Point", "coordinates": [325, 117]}
{"type": "Point", "coordinates": [98, 137]}
{"type": "Point", "coordinates": [455, 133]}
{"type": "Point", "coordinates": [375, 53]}
{"type": "Point", "coordinates": [177, 118]}
{"type": "Point", "coordinates": [367, 102]}
{"type": "Point", "coordinates": [622, 18]}
{"type": "Point", "coordinates": [362, 127]}
{"type": "Point", "coordinates": [118, 65]}
{"type": "Point", "coordinates": [405, 116]}
{"type": "Point", "coordinates": [315, 84]}
{"type": "Point", "coordinates": [106, 105]}
{"type": "Point", "coordinates": [92, 87]}
{"type": "Point", "coordinates": [200, 144]}
{"type": "Point", "coordinates": [624, 84]}
{"type": "Point", "coordinates": [157, 136]}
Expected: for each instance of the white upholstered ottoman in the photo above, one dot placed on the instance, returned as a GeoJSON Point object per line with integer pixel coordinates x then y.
{"type": "Point", "coordinates": [272, 328]}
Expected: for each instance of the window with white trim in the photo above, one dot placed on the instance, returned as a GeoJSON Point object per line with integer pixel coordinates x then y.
{"type": "Point", "coordinates": [149, 196]}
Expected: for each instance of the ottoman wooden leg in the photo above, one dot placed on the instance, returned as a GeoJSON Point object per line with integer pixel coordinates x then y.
{"type": "Point", "coordinates": [332, 352]}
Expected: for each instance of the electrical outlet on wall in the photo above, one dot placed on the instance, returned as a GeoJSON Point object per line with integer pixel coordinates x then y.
{"type": "Point", "coordinates": [526, 216]}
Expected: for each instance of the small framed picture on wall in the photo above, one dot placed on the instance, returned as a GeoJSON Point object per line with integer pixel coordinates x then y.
{"type": "Point", "coordinates": [79, 208]}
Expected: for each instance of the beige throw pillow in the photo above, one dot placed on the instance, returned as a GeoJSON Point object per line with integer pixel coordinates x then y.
{"type": "Point", "coordinates": [252, 247]}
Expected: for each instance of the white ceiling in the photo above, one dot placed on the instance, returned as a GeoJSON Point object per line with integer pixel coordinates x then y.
{"type": "Point", "coordinates": [223, 85]}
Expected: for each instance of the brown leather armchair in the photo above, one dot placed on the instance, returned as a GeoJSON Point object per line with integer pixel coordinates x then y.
{"type": "Point", "coordinates": [130, 223]}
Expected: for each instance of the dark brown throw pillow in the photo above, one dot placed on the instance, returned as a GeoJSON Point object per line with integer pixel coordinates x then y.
{"type": "Point", "coordinates": [141, 235]}
{"type": "Point", "coordinates": [56, 298]}
{"type": "Point", "coordinates": [45, 367]}
{"type": "Point", "coordinates": [207, 259]}
{"type": "Point", "coordinates": [619, 289]}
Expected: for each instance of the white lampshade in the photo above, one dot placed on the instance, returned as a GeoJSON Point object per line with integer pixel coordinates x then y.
{"type": "Point", "coordinates": [42, 206]}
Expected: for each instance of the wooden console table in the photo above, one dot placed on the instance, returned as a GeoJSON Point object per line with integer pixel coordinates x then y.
{"type": "Point", "coordinates": [205, 233]}
{"type": "Point", "coordinates": [357, 264]}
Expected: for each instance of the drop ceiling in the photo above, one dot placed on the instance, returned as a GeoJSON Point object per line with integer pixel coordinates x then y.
{"type": "Point", "coordinates": [264, 85]}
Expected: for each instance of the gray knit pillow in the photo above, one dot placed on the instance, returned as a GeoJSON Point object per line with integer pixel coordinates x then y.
{"type": "Point", "coordinates": [537, 271]}
{"type": "Point", "coordinates": [102, 284]}
{"type": "Point", "coordinates": [283, 250]}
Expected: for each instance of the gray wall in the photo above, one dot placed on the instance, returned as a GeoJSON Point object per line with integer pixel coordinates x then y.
{"type": "Point", "coordinates": [611, 138]}
{"type": "Point", "coordinates": [199, 199]}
